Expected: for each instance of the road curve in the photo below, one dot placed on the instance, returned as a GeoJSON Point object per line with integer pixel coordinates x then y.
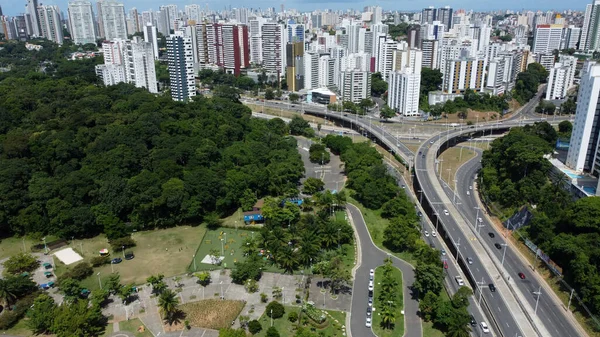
{"type": "Point", "coordinates": [373, 257]}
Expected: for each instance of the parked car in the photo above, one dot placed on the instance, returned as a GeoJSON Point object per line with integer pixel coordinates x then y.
{"type": "Point", "coordinates": [419, 214]}
{"type": "Point", "coordinates": [116, 260]}
{"type": "Point", "coordinates": [468, 193]}
{"type": "Point", "coordinates": [469, 260]}
{"type": "Point", "coordinates": [129, 256]}
{"type": "Point", "coordinates": [459, 280]}
{"type": "Point", "coordinates": [492, 287]}
{"type": "Point", "coordinates": [371, 286]}
{"type": "Point", "coordinates": [497, 245]}
{"type": "Point", "coordinates": [443, 252]}
{"type": "Point", "coordinates": [473, 321]}
{"type": "Point", "coordinates": [492, 235]}
{"type": "Point", "coordinates": [368, 323]}
{"type": "Point", "coordinates": [369, 311]}
{"type": "Point", "coordinates": [426, 233]}
{"type": "Point", "coordinates": [370, 301]}
{"type": "Point", "coordinates": [372, 273]}
{"type": "Point", "coordinates": [522, 276]}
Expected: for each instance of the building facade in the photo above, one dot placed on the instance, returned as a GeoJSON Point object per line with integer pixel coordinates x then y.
{"type": "Point", "coordinates": [181, 66]}
{"type": "Point", "coordinates": [81, 22]}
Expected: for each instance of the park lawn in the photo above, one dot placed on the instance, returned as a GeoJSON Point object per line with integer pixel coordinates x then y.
{"type": "Point", "coordinates": [376, 225]}
{"type": "Point", "coordinates": [213, 313]}
{"type": "Point", "coordinates": [132, 326]}
{"type": "Point", "coordinates": [452, 160]}
{"type": "Point", "coordinates": [287, 328]}
{"type": "Point", "coordinates": [19, 329]}
{"type": "Point", "coordinates": [163, 251]}
{"type": "Point", "coordinates": [14, 245]}
{"type": "Point", "coordinates": [108, 331]}
{"type": "Point", "coordinates": [430, 331]}
{"type": "Point", "coordinates": [378, 329]}
{"type": "Point", "coordinates": [232, 242]}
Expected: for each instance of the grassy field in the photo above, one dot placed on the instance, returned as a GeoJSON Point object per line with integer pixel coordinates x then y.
{"type": "Point", "coordinates": [132, 326]}
{"type": "Point", "coordinates": [430, 331]}
{"type": "Point", "coordinates": [165, 251]}
{"type": "Point", "coordinates": [287, 328]}
{"type": "Point", "coordinates": [378, 328]}
{"type": "Point", "coordinates": [19, 329]}
{"type": "Point", "coordinates": [376, 225]}
{"type": "Point", "coordinates": [212, 314]}
{"type": "Point", "coordinates": [452, 159]}
{"type": "Point", "coordinates": [225, 240]}
{"type": "Point", "coordinates": [285, 113]}
{"type": "Point", "coordinates": [13, 245]}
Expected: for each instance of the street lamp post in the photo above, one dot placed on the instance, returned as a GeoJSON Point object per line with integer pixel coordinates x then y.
{"type": "Point", "coordinates": [480, 290]}
{"type": "Point", "coordinates": [99, 281]}
{"type": "Point", "coordinates": [476, 216]}
{"type": "Point", "coordinates": [448, 181]}
{"type": "Point", "coordinates": [222, 252]}
{"type": "Point", "coordinates": [437, 220]}
{"type": "Point", "coordinates": [454, 199]}
{"type": "Point", "coordinates": [504, 253]}
{"type": "Point", "coordinates": [194, 257]}
{"type": "Point", "coordinates": [123, 251]}
{"type": "Point", "coordinates": [537, 301]}
{"type": "Point", "coordinates": [457, 249]}
{"type": "Point", "coordinates": [441, 165]}
{"type": "Point", "coordinates": [570, 298]}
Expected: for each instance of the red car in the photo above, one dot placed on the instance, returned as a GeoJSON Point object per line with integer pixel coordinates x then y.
{"type": "Point", "coordinates": [522, 276]}
{"type": "Point", "coordinates": [445, 265]}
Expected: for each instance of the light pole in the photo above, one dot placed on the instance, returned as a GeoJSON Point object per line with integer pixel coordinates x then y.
{"type": "Point", "coordinates": [537, 301]}
{"type": "Point", "coordinates": [123, 251]}
{"type": "Point", "coordinates": [454, 191]}
{"type": "Point", "coordinates": [570, 298]}
{"type": "Point", "coordinates": [99, 281]}
{"type": "Point", "coordinates": [504, 253]}
{"type": "Point", "coordinates": [457, 250]}
{"type": "Point", "coordinates": [283, 294]}
{"type": "Point", "coordinates": [448, 181]}
{"type": "Point", "coordinates": [222, 253]}
{"type": "Point", "coordinates": [112, 267]}
{"type": "Point", "coordinates": [476, 216]}
{"type": "Point", "coordinates": [223, 296]}
{"type": "Point", "coordinates": [441, 165]}
{"type": "Point", "coordinates": [271, 317]}
{"type": "Point", "coordinates": [480, 290]}
{"type": "Point", "coordinates": [194, 257]}
{"type": "Point", "coordinates": [45, 247]}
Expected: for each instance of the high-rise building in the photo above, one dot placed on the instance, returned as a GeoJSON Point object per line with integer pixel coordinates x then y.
{"type": "Point", "coordinates": [590, 32]}
{"type": "Point", "coordinates": [430, 54]}
{"type": "Point", "coordinates": [495, 79]}
{"type": "Point", "coordinates": [583, 40]}
{"type": "Point", "coordinates": [414, 37]}
{"type": "Point", "coordinates": [113, 20]}
{"type": "Point", "coordinates": [444, 15]}
{"type": "Point", "coordinates": [133, 22]}
{"type": "Point", "coordinates": [385, 58]}
{"type": "Point", "coordinates": [571, 39]}
{"type": "Point", "coordinates": [405, 83]}
{"type": "Point", "coordinates": [226, 46]}
{"type": "Point", "coordinates": [81, 22]}
{"type": "Point", "coordinates": [355, 85]}
{"type": "Point", "coordinates": [148, 18]}
{"type": "Point", "coordinates": [181, 66]}
{"type": "Point", "coordinates": [33, 18]}
{"type": "Point", "coordinates": [241, 15]}
{"type": "Point", "coordinates": [561, 77]}
{"type": "Point", "coordinates": [256, 39]}
{"type": "Point", "coordinates": [151, 36]}
{"type": "Point", "coordinates": [99, 23]}
{"type": "Point", "coordinates": [428, 15]}
{"type": "Point", "coordinates": [583, 147]}
{"type": "Point", "coordinates": [295, 65]}
{"type": "Point", "coordinates": [547, 38]}
{"type": "Point", "coordinates": [51, 27]}
{"type": "Point", "coordinates": [311, 70]}
{"type": "Point", "coordinates": [130, 62]}
{"type": "Point", "coordinates": [353, 32]}
{"type": "Point", "coordinates": [295, 32]}
{"type": "Point", "coordinates": [464, 73]}
{"type": "Point", "coordinates": [193, 13]}
{"type": "Point", "coordinates": [273, 47]}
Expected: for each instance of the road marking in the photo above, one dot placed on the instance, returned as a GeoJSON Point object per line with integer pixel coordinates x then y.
{"type": "Point", "coordinates": [499, 309]}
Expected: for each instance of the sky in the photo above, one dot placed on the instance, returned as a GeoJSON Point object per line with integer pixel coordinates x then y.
{"type": "Point", "coordinates": [14, 7]}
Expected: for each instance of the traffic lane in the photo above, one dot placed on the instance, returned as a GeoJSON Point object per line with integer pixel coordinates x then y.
{"type": "Point", "coordinates": [549, 313]}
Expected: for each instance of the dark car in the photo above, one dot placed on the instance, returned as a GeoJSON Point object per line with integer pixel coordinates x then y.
{"type": "Point", "coordinates": [492, 287]}
{"type": "Point", "coordinates": [473, 321]}
{"type": "Point", "coordinates": [419, 214]}
{"type": "Point", "coordinates": [116, 260]}
{"type": "Point", "coordinates": [370, 293]}
{"type": "Point", "coordinates": [129, 256]}
{"type": "Point", "coordinates": [492, 235]}
{"type": "Point", "coordinates": [497, 245]}
{"type": "Point", "coordinates": [522, 276]}
{"type": "Point", "coordinates": [369, 311]}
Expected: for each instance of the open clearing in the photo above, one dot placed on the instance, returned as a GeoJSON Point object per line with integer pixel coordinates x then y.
{"type": "Point", "coordinates": [212, 314]}
{"type": "Point", "coordinates": [287, 328]}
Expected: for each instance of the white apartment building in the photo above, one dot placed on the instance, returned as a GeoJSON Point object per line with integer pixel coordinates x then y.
{"type": "Point", "coordinates": [273, 48]}
{"type": "Point", "coordinates": [430, 53]}
{"type": "Point", "coordinates": [181, 66]}
{"type": "Point", "coordinates": [151, 36]}
{"type": "Point", "coordinates": [405, 83]}
{"type": "Point", "coordinates": [464, 73]}
{"type": "Point", "coordinates": [51, 27]}
{"type": "Point", "coordinates": [81, 22]}
{"type": "Point", "coordinates": [255, 33]}
{"type": "Point", "coordinates": [311, 69]}
{"type": "Point", "coordinates": [357, 61]}
{"type": "Point", "coordinates": [547, 38]}
{"type": "Point", "coordinates": [495, 83]}
{"type": "Point", "coordinates": [113, 20]}
{"type": "Point", "coordinates": [193, 13]}
{"type": "Point", "coordinates": [385, 59]}
{"type": "Point", "coordinates": [355, 86]}
{"type": "Point", "coordinates": [582, 155]}
{"type": "Point", "coordinates": [590, 31]}
{"type": "Point", "coordinates": [571, 39]}
{"type": "Point", "coordinates": [560, 78]}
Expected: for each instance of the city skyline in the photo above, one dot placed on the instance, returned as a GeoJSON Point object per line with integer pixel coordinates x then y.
{"type": "Point", "coordinates": [17, 7]}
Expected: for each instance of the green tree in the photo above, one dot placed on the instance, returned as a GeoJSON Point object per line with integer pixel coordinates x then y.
{"type": "Point", "coordinates": [157, 282]}
{"type": "Point", "coordinates": [203, 278]}
{"type": "Point", "coordinates": [254, 327]}
{"type": "Point", "coordinates": [275, 310]}
{"type": "Point", "coordinates": [167, 303]}
{"type": "Point", "coordinates": [272, 332]}
{"type": "Point", "coordinates": [565, 128]}
{"type": "Point", "coordinates": [318, 154]}
{"type": "Point", "coordinates": [378, 85]}
{"type": "Point", "coordinates": [461, 298]}
{"type": "Point", "coordinates": [78, 319]}
{"type": "Point", "coordinates": [70, 288]}
{"type": "Point", "coordinates": [41, 315]}
{"type": "Point", "coordinates": [294, 97]}
{"type": "Point", "coordinates": [365, 104]}
{"type": "Point", "coordinates": [313, 185]}
{"type": "Point", "coordinates": [388, 316]}
{"type": "Point", "coordinates": [251, 268]}
{"type": "Point", "coordinates": [20, 263]}
{"type": "Point", "coordinates": [248, 200]}
{"type": "Point", "coordinates": [7, 295]}
{"type": "Point", "coordinates": [569, 106]}
{"type": "Point", "coordinates": [428, 306]}
{"type": "Point", "coordinates": [287, 259]}
{"type": "Point", "coordinates": [269, 94]}
{"type": "Point", "coordinates": [298, 126]}
{"type": "Point", "coordinates": [114, 283]}
{"type": "Point", "coordinates": [428, 278]}
{"type": "Point", "coordinates": [386, 112]}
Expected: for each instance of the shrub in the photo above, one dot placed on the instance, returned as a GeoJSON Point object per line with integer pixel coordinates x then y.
{"type": "Point", "coordinates": [254, 327]}
{"type": "Point", "coordinates": [118, 244]}
{"type": "Point", "coordinates": [251, 286]}
{"type": "Point", "coordinates": [272, 332]}
{"type": "Point", "coordinates": [11, 317]}
{"type": "Point", "coordinates": [79, 271]}
{"type": "Point", "coordinates": [275, 310]}
{"type": "Point", "coordinates": [98, 261]}
{"type": "Point", "coordinates": [20, 263]}
{"type": "Point", "coordinates": [264, 298]}
{"type": "Point", "coordinates": [293, 317]}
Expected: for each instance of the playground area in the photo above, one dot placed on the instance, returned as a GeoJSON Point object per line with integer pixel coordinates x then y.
{"type": "Point", "coordinates": [227, 241]}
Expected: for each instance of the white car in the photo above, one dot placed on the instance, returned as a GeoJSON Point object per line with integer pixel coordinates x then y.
{"type": "Point", "coordinates": [371, 286]}
{"type": "Point", "coordinates": [372, 273]}
{"type": "Point", "coordinates": [446, 212]}
{"type": "Point", "coordinates": [468, 193]}
{"type": "Point", "coordinates": [426, 233]}
{"type": "Point", "coordinates": [433, 234]}
{"type": "Point", "coordinates": [480, 220]}
{"type": "Point", "coordinates": [443, 252]}
{"type": "Point", "coordinates": [484, 327]}
{"type": "Point", "coordinates": [459, 280]}
{"type": "Point", "coordinates": [431, 142]}
{"type": "Point", "coordinates": [368, 323]}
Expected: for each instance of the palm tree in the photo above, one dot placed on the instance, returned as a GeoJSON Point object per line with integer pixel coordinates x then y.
{"type": "Point", "coordinates": [340, 199]}
{"type": "Point", "coordinates": [458, 330]}
{"type": "Point", "coordinates": [6, 294]}
{"type": "Point", "coordinates": [329, 235]}
{"type": "Point", "coordinates": [167, 302]}
{"type": "Point", "coordinates": [249, 246]}
{"type": "Point", "coordinates": [309, 247]}
{"type": "Point", "coordinates": [388, 316]}
{"type": "Point", "coordinates": [287, 259]}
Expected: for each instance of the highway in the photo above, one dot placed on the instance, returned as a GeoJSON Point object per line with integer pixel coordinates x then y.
{"type": "Point", "coordinates": [551, 315]}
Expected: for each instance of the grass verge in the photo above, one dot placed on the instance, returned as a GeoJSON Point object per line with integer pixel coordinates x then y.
{"type": "Point", "coordinates": [212, 314]}
{"type": "Point", "coordinates": [133, 325]}
{"type": "Point", "coordinates": [332, 326]}
{"type": "Point", "coordinates": [378, 327]}
{"type": "Point", "coordinates": [452, 159]}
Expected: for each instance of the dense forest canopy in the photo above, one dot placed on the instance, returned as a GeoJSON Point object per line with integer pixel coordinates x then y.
{"type": "Point", "coordinates": [76, 157]}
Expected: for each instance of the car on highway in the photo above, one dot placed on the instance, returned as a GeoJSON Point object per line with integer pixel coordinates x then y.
{"type": "Point", "coordinates": [368, 323]}
{"type": "Point", "coordinates": [372, 273]}
{"type": "Point", "coordinates": [468, 193]}
{"type": "Point", "coordinates": [484, 327]}
{"type": "Point", "coordinates": [473, 321]}
{"type": "Point", "coordinates": [469, 260]}
{"type": "Point", "coordinates": [492, 287]}
{"type": "Point", "coordinates": [426, 233]}
{"type": "Point", "coordinates": [470, 187]}
{"type": "Point", "coordinates": [445, 264]}
{"type": "Point", "coordinates": [443, 252]}
{"type": "Point", "coordinates": [419, 214]}
{"type": "Point", "coordinates": [521, 276]}
{"type": "Point", "coordinates": [497, 245]}
{"type": "Point", "coordinates": [371, 285]}
{"type": "Point", "coordinates": [446, 212]}
{"type": "Point", "coordinates": [431, 142]}
{"type": "Point", "coordinates": [492, 235]}
{"type": "Point", "coordinates": [459, 280]}
{"type": "Point", "coordinates": [433, 233]}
